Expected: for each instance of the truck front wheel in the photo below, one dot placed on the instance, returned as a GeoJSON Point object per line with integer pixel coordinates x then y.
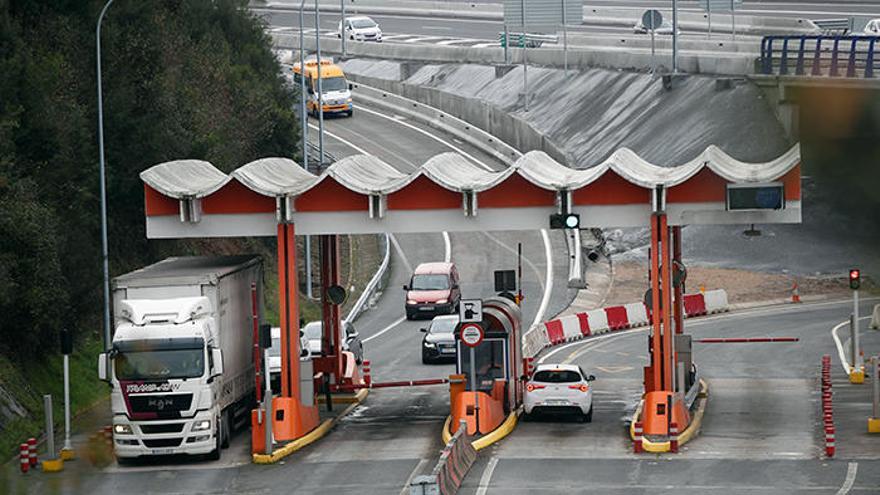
{"type": "Point", "coordinates": [215, 454]}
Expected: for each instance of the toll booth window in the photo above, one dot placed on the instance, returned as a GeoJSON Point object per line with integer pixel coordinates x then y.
{"type": "Point", "coordinates": [489, 360]}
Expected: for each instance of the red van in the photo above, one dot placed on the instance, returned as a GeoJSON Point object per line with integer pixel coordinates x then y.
{"type": "Point", "coordinates": [432, 290]}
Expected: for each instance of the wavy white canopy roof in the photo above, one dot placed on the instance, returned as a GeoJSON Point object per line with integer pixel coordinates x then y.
{"type": "Point", "coordinates": [366, 174]}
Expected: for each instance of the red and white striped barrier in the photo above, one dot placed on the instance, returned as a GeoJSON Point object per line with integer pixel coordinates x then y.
{"type": "Point", "coordinates": [613, 318]}
{"type": "Point", "coordinates": [673, 438]}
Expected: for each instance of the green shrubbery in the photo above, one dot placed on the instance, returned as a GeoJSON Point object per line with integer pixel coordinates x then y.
{"type": "Point", "coordinates": [182, 78]}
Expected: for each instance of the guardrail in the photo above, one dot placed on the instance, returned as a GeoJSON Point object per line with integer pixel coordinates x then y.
{"type": "Point", "coordinates": [374, 284]}
{"type": "Point", "coordinates": [832, 56]}
{"type": "Point", "coordinates": [843, 25]}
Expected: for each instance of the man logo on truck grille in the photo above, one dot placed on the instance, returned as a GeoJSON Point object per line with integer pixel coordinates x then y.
{"type": "Point", "coordinates": [160, 403]}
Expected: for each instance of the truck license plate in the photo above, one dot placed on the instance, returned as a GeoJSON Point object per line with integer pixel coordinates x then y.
{"type": "Point", "coordinates": [162, 451]}
{"type": "Point", "coordinates": [426, 308]}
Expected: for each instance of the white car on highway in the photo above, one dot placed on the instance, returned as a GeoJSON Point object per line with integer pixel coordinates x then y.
{"type": "Point", "coordinates": [872, 28]}
{"type": "Point", "coordinates": [360, 28]}
{"type": "Point", "coordinates": [560, 388]}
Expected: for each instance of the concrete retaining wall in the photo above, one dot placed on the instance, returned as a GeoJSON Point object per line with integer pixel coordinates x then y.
{"type": "Point", "coordinates": [579, 58]}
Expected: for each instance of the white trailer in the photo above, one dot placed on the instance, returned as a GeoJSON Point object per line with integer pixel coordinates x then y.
{"type": "Point", "coordinates": [181, 363]}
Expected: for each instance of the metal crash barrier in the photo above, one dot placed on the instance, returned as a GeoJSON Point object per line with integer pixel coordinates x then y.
{"type": "Point", "coordinates": [832, 56]}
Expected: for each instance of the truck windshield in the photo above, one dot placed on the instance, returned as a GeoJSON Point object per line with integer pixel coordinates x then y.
{"type": "Point", "coordinates": [160, 364]}
{"type": "Point", "coordinates": [329, 84]}
{"type": "Point", "coordinates": [430, 282]}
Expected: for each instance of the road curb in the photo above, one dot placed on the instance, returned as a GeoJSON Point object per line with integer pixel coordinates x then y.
{"type": "Point", "coordinates": [310, 438]}
{"type": "Point", "coordinates": [491, 438]}
{"type": "Point", "coordinates": [686, 436]}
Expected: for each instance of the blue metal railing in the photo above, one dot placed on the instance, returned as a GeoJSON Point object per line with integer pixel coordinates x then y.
{"type": "Point", "coordinates": [820, 55]}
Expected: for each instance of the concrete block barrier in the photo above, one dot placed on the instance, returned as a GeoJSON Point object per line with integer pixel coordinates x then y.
{"type": "Point", "coordinates": [716, 301]}
{"type": "Point", "coordinates": [637, 314]}
{"type": "Point", "coordinates": [613, 318]}
{"type": "Point", "coordinates": [456, 460]}
{"type": "Point", "coordinates": [694, 305]}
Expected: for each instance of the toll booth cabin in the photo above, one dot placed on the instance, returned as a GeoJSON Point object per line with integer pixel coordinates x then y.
{"type": "Point", "coordinates": [495, 390]}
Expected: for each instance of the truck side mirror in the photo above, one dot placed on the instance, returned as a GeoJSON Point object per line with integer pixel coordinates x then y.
{"type": "Point", "coordinates": [350, 86]}
{"type": "Point", "coordinates": [103, 367]}
{"type": "Point", "coordinates": [423, 330]}
{"type": "Point", "coordinates": [265, 336]}
{"type": "Point", "coordinates": [406, 287]}
{"type": "Point", "coordinates": [217, 356]}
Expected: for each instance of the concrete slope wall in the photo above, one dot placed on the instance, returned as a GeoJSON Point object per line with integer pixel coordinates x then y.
{"type": "Point", "coordinates": [583, 117]}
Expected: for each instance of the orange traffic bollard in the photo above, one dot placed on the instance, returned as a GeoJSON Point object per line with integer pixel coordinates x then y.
{"type": "Point", "coordinates": [32, 451]}
{"type": "Point", "coordinates": [829, 441]}
{"type": "Point", "coordinates": [23, 458]}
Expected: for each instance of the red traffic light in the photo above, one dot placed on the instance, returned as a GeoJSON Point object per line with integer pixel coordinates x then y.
{"type": "Point", "coordinates": [854, 279]}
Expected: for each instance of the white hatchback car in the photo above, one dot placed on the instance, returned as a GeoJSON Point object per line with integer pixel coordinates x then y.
{"type": "Point", "coordinates": [560, 388]}
{"type": "Point", "coordinates": [360, 28]}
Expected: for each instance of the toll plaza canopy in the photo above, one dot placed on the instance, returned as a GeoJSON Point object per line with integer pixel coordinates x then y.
{"type": "Point", "coordinates": [363, 194]}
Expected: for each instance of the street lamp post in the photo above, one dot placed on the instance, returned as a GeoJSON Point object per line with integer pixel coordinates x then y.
{"type": "Point", "coordinates": [104, 255]}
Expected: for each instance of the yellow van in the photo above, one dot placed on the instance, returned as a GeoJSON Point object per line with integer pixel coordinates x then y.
{"type": "Point", "coordinates": [336, 89]}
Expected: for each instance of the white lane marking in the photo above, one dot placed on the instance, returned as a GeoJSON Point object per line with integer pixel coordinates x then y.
{"type": "Point", "coordinates": [447, 247]}
{"type": "Point", "coordinates": [342, 140]}
{"type": "Point", "coordinates": [400, 253]}
{"type": "Point", "coordinates": [548, 284]}
{"type": "Point", "coordinates": [458, 41]}
{"type": "Point", "coordinates": [851, 470]}
{"type": "Point", "coordinates": [485, 45]}
{"type": "Point", "coordinates": [425, 39]}
{"type": "Point", "coordinates": [384, 330]}
{"type": "Point", "coordinates": [487, 476]}
{"type": "Point", "coordinates": [412, 475]}
{"type": "Point", "coordinates": [527, 261]}
{"type": "Point", "coordinates": [438, 28]}
{"type": "Point", "coordinates": [841, 353]}
{"type": "Point", "coordinates": [432, 136]}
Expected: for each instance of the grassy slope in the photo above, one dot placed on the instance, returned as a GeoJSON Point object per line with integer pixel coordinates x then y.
{"type": "Point", "coordinates": [29, 384]}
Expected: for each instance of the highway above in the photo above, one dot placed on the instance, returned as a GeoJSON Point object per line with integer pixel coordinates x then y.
{"type": "Point", "coordinates": [435, 28]}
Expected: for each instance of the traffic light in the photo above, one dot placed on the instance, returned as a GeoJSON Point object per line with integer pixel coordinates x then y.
{"type": "Point", "coordinates": [565, 221]}
{"type": "Point", "coordinates": [855, 279]}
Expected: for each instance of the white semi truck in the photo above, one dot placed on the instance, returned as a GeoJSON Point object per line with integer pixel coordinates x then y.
{"type": "Point", "coordinates": [181, 365]}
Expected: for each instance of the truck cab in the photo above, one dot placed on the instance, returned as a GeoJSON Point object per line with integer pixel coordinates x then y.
{"type": "Point", "coordinates": [180, 364]}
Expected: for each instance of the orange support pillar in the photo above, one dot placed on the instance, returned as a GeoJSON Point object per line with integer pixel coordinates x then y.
{"type": "Point", "coordinates": [654, 377]}
{"type": "Point", "coordinates": [666, 304]}
{"type": "Point", "coordinates": [331, 322]}
{"type": "Point", "coordinates": [662, 406]}
{"type": "Point", "coordinates": [290, 418]}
